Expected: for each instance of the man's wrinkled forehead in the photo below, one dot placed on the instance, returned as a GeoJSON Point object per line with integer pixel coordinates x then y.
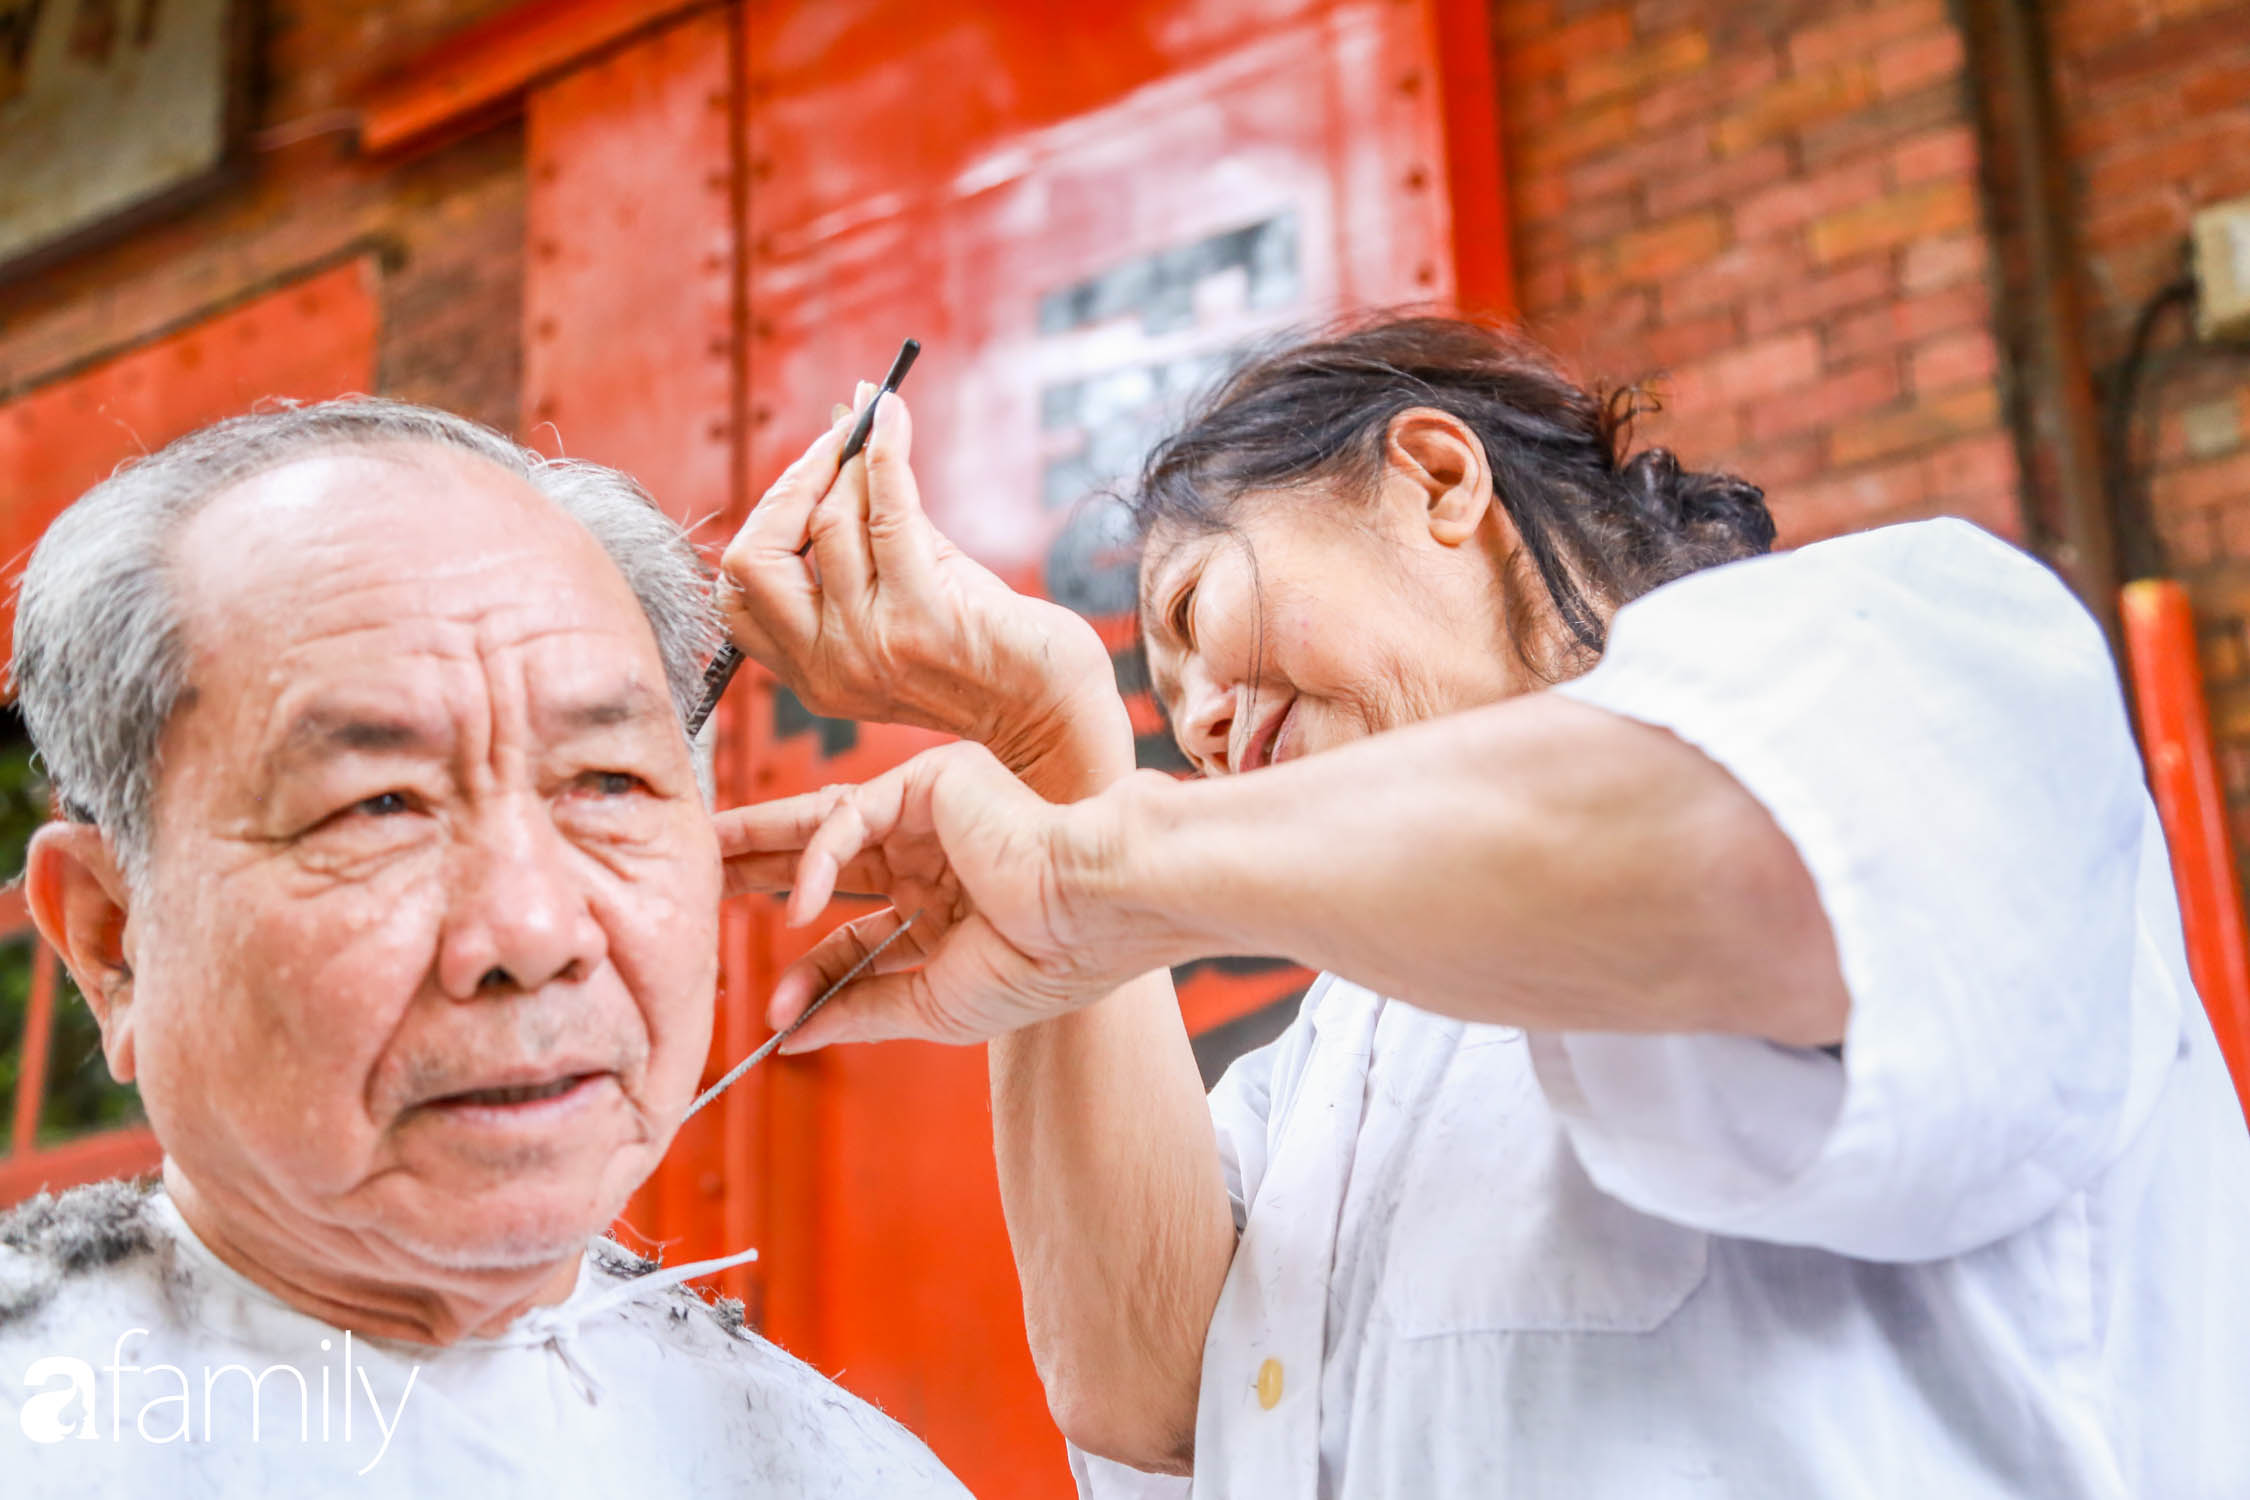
{"type": "Point", "coordinates": [442, 530]}
{"type": "Point", "coordinates": [363, 561]}
{"type": "Point", "coordinates": [289, 523]}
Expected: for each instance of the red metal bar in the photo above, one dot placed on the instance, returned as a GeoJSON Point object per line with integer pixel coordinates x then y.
{"type": "Point", "coordinates": [31, 1077]}
{"type": "Point", "coordinates": [489, 64]}
{"type": "Point", "coordinates": [15, 916]}
{"type": "Point", "coordinates": [111, 1153]}
{"type": "Point", "coordinates": [1484, 273]}
{"type": "Point", "coordinates": [629, 297]}
{"type": "Point", "coordinates": [2183, 774]}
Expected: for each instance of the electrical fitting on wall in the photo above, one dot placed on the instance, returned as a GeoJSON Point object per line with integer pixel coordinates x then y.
{"type": "Point", "coordinates": [2221, 236]}
{"type": "Point", "coordinates": [2211, 298]}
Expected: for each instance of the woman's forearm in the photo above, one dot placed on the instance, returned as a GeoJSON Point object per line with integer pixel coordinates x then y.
{"type": "Point", "coordinates": [1109, 1175]}
{"type": "Point", "coordinates": [1536, 863]}
{"type": "Point", "coordinates": [1109, 1172]}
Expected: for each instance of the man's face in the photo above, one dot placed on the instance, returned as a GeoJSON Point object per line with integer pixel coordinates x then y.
{"type": "Point", "coordinates": [424, 961]}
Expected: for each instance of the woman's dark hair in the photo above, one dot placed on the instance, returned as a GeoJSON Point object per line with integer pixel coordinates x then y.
{"type": "Point", "coordinates": [1601, 524]}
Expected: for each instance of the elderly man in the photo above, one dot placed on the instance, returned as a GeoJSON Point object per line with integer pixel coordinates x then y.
{"type": "Point", "coordinates": [390, 880]}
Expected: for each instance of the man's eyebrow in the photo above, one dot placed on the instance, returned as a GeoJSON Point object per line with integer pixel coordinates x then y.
{"type": "Point", "coordinates": [319, 731]}
{"type": "Point", "coordinates": [624, 705]}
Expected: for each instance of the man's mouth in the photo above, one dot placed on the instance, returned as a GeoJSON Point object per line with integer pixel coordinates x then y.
{"type": "Point", "coordinates": [526, 1093]}
{"type": "Point", "coordinates": [515, 1096]}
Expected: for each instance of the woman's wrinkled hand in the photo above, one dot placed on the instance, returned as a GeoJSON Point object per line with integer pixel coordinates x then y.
{"type": "Point", "coordinates": [989, 870]}
{"type": "Point", "coordinates": [841, 587]}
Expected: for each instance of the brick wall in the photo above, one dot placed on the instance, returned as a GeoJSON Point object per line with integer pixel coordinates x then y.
{"type": "Point", "coordinates": [447, 227]}
{"type": "Point", "coordinates": [2155, 97]}
{"type": "Point", "coordinates": [1774, 204]}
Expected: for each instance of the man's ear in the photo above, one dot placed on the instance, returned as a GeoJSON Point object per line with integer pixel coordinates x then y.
{"type": "Point", "coordinates": [80, 901]}
{"type": "Point", "coordinates": [1436, 454]}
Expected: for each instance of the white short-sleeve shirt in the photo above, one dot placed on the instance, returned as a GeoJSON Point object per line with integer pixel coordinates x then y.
{"type": "Point", "coordinates": [1997, 1249]}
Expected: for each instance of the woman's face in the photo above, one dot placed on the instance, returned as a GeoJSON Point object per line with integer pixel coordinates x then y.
{"type": "Point", "coordinates": [1320, 617]}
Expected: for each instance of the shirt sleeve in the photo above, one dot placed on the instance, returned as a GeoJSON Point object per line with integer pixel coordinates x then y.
{"type": "Point", "coordinates": [1101, 1479]}
{"type": "Point", "coordinates": [1935, 724]}
{"type": "Point", "coordinates": [1244, 1102]}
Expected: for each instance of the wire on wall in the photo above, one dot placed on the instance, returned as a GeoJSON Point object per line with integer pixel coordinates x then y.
{"type": "Point", "coordinates": [2130, 405]}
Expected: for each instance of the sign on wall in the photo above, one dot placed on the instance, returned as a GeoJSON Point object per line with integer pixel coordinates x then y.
{"type": "Point", "coordinates": [108, 107]}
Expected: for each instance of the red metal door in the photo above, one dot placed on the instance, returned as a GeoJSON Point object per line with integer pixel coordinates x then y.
{"type": "Point", "coordinates": [1082, 215]}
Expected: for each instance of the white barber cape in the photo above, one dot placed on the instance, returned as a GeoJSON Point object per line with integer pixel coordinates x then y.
{"type": "Point", "coordinates": [630, 1387]}
{"type": "Point", "coordinates": [2000, 1248]}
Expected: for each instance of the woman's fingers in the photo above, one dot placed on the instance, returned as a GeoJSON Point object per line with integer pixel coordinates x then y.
{"type": "Point", "coordinates": [837, 954]}
{"type": "Point", "coordinates": [819, 867]}
{"type": "Point", "coordinates": [963, 984]}
{"type": "Point", "coordinates": [783, 825]}
{"type": "Point", "coordinates": [964, 973]}
{"type": "Point", "coordinates": [838, 530]}
{"type": "Point", "coordinates": [746, 625]}
{"type": "Point", "coordinates": [901, 541]}
{"type": "Point", "coordinates": [861, 818]}
{"type": "Point", "coordinates": [758, 874]}
{"type": "Point", "coordinates": [775, 874]}
{"type": "Point", "coordinates": [872, 1008]}
{"type": "Point", "coordinates": [762, 847]}
{"type": "Point", "coordinates": [769, 578]}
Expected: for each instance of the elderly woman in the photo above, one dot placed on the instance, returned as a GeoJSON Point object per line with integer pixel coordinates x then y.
{"type": "Point", "coordinates": [1755, 1057]}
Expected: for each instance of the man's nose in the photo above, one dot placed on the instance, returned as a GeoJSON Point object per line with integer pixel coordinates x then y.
{"type": "Point", "coordinates": [518, 913]}
{"type": "Point", "coordinates": [1207, 723]}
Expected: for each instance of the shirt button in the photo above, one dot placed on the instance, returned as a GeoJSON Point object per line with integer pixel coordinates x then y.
{"type": "Point", "coordinates": [1269, 1384]}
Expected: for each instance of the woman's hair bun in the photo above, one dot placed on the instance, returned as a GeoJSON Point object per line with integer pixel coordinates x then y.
{"type": "Point", "coordinates": [1702, 509]}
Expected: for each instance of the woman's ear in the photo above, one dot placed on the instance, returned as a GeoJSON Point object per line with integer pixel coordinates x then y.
{"type": "Point", "coordinates": [80, 901]}
{"type": "Point", "coordinates": [1436, 454]}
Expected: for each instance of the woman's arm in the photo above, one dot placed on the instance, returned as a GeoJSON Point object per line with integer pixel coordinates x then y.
{"type": "Point", "coordinates": [1539, 863]}
{"type": "Point", "coordinates": [1109, 1176]}
{"type": "Point", "coordinates": [1109, 1179]}
{"type": "Point", "coordinates": [1108, 1164]}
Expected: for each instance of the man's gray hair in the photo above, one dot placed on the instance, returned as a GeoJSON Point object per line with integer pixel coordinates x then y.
{"type": "Point", "coordinates": [100, 661]}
